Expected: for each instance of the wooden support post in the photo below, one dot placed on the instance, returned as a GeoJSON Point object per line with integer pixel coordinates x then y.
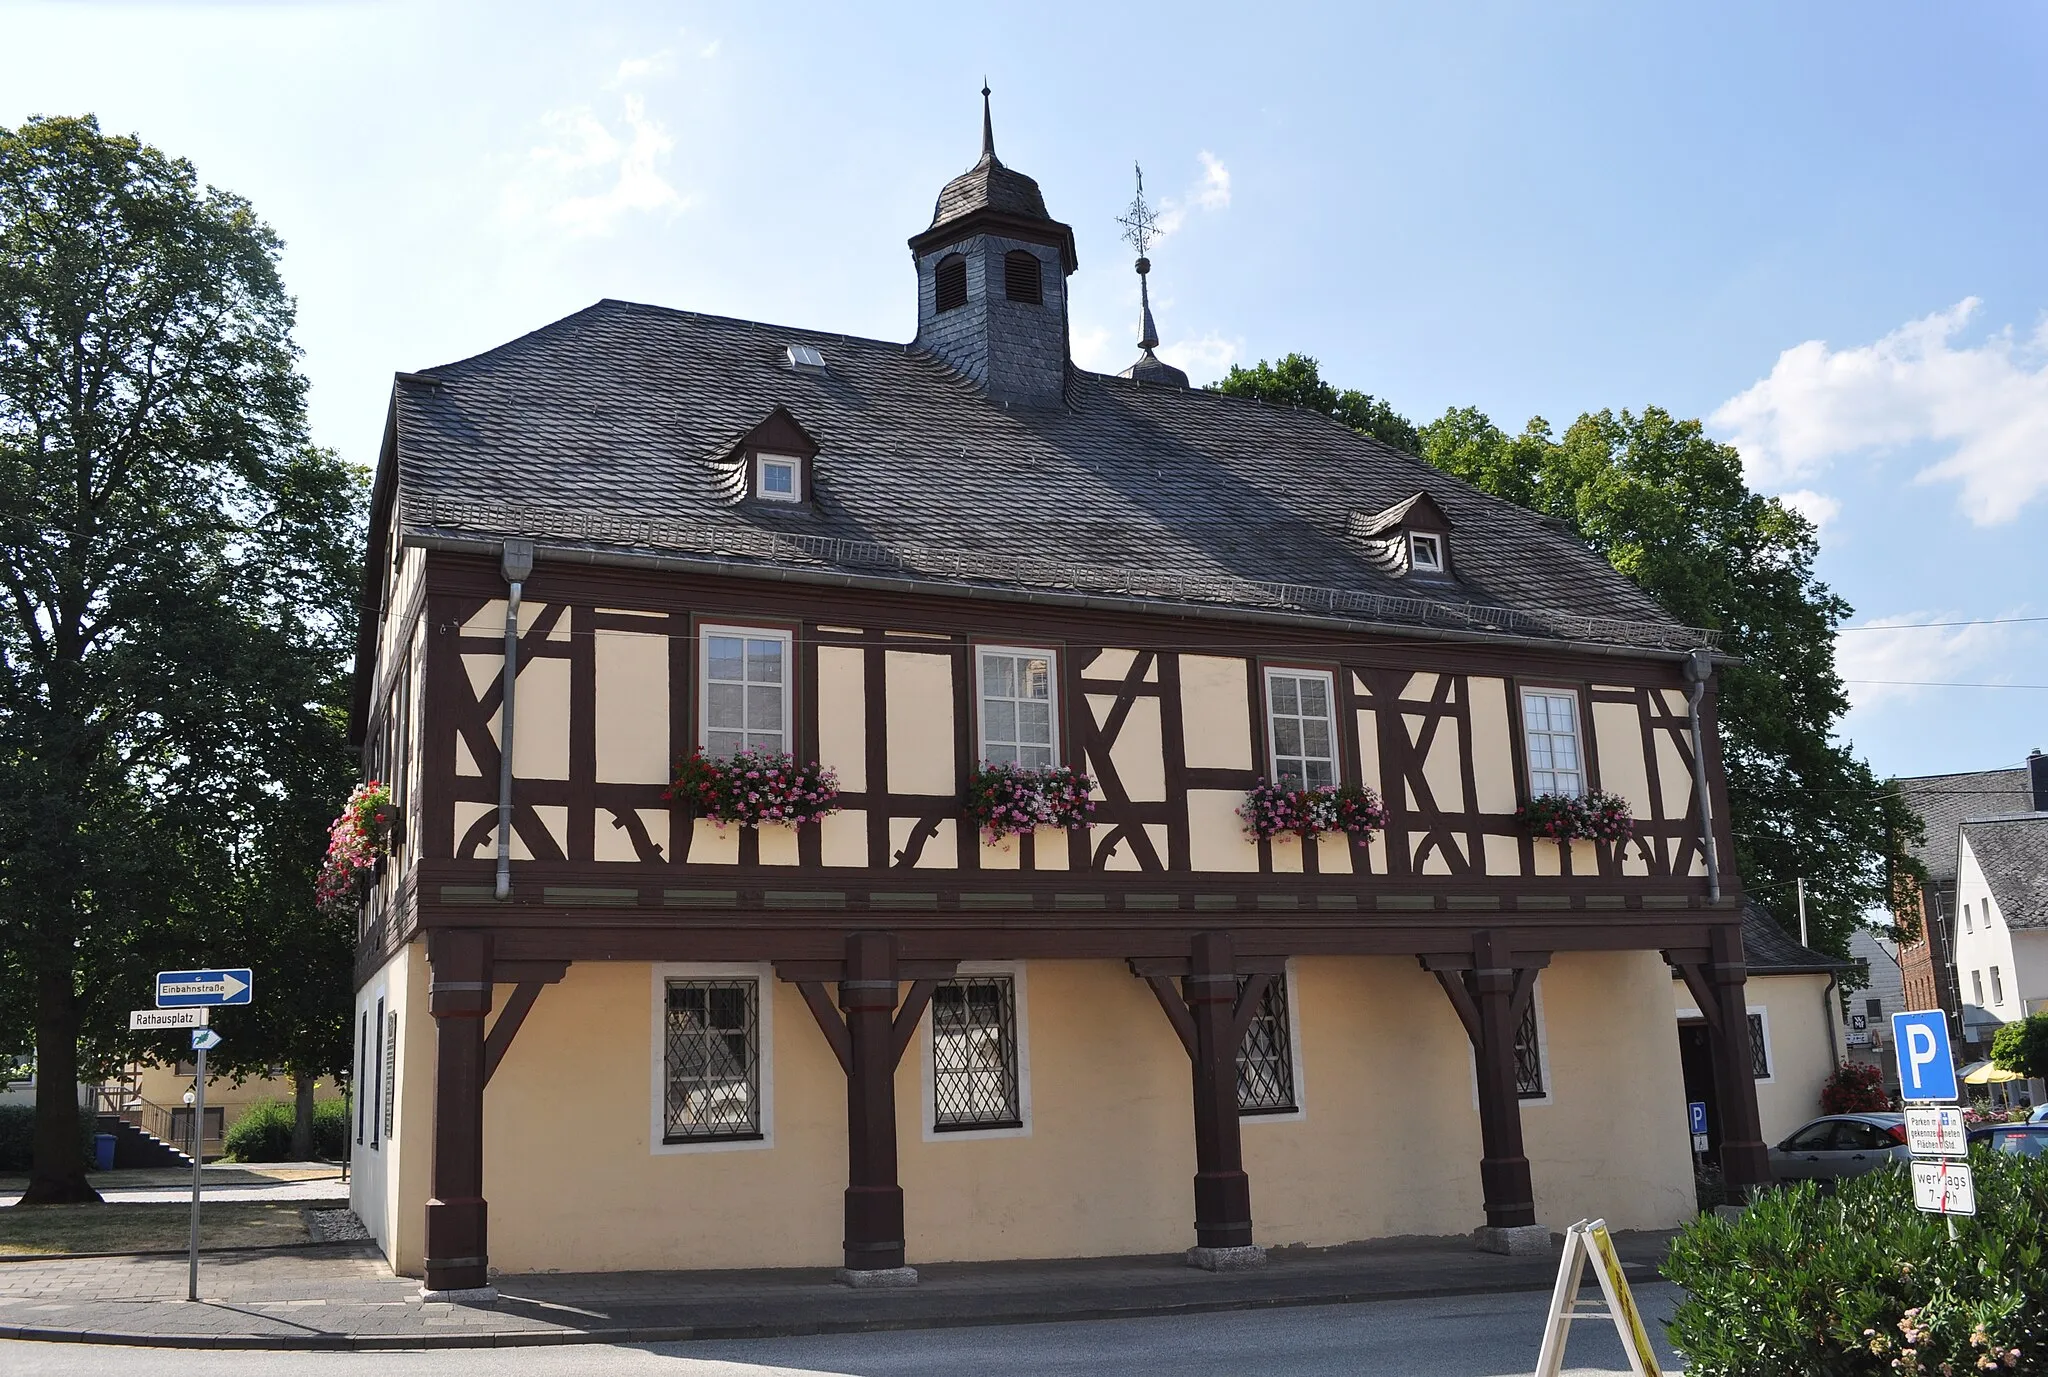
{"type": "Point", "coordinates": [1503, 1165]}
{"type": "Point", "coordinates": [1223, 1193]}
{"type": "Point", "coordinates": [874, 1200]}
{"type": "Point", "coordinates": [458, 996]}
{"type": "Point", "coordinates": [1745, 1160]}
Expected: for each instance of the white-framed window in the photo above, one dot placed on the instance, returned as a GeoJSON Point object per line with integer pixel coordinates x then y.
{"type": "Point", "coordinates": [390, 1071]}
{"type": "Point", "coordinates": [377, 1078]}
{"type": "Point", "coordinates": [1966, 918]}
{"type": "Point", "coordinates": [712, 1040]}
{"type": "Point", "coordinates": [1018, 724]}
{"type": "Point", "coordinates": [977, 1055]}
{"type": "Point", "coordinates": [1301, 727]}
{"type": "Point", "coordinates": [1977, 987]}
{"type": "Point", "coordinates": [1550, 729]}
{"type": "Point", "coordinates": [1425, 553]}
{"type": "Point", "coordinates": [1269, 1058]}
{"type": "Point", "coordinates": [779, 477]}
{"type": "Point", "coordinates": [745, 677]}
{"type": "Point", "coordinates": [1997, 987]}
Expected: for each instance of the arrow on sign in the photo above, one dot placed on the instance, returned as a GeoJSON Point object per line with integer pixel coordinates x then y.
{"type": "Point", "coordinates": [177, 989]}
{"type": "Point", "coordinates": [204, 1039]}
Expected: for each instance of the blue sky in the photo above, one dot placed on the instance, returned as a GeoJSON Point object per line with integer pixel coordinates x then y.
{"type": "Point", "coordinates": [1820, 227]}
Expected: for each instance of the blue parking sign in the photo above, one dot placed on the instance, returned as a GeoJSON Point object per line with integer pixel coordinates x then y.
{"type": "Point", "coordinates": [1696, 1115]}
{"type": "Point", "coordinates": [1927, 1070]}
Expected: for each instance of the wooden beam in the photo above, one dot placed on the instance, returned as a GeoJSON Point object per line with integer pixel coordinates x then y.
{"type": "Point", "coordinates": [1247, 1009]}
{"type": "Point", "coordinates": [506, 1026]}
{"type": "Point", "coordinates": [829, 1022]}
{"type": "Point", "coordinates": [908, 1017]}
{"type": "Point", "coordinates": [1176, 1012]}
{"type": "Point", "coordinates": [1695, 977]}
{"type": "Point", "coordinates": [1461, 1000]}
{"type": "Point", "coordinates": [1177, 966]}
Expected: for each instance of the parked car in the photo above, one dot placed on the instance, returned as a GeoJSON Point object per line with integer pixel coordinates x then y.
{"type": "Point", "coordinates": [2024, 1140]}
{"type": "Point", "coordinates": [1840, 1145]}
{"type": "Point", "coordinates": [2039, 1116]}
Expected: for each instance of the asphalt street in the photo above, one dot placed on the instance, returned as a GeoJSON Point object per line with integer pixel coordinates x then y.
{"type": "Point", "coordinates": [1464, 1336]}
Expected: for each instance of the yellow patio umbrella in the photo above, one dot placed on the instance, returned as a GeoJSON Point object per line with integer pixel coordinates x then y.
{"type": "Point", "coordinates": [1989, 1073]}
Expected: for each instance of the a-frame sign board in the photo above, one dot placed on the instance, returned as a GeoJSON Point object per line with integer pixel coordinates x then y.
{"type": "Point", "coordinates": [1587, 1241]}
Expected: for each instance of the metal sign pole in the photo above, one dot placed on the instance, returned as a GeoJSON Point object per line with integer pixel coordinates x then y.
{"type": "Point", "coordinates": [198, 1158]}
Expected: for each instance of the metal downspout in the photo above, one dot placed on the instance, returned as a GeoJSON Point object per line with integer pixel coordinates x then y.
{"type": "Point", "coordinates": [1699, 667]}
{"type": "Point", "coordinates": [1831, 1014]}
{"type": "Point", "coordinates": [517, 565]}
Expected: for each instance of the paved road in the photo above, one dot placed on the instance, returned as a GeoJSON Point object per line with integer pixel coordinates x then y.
{"type": "Point", "coordinates": [1469, 1336]}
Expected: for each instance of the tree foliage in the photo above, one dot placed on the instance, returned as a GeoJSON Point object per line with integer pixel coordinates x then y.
{"type": "Point", "coordinates": [2022, 1046]}
{"type": "Point", "coordinates": [1297, 380]}
{"type": "Point", "coordinates": [176, 580]}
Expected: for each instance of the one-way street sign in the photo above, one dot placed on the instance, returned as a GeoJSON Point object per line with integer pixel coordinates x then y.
{"type": "Point", "coordinates": [181, 989]}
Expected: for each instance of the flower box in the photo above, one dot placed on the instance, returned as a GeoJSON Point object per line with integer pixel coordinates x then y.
{"type": "Point", "coordinates": [1004, 800]}
{"type": "Point", "coordinates": [755, 789]}
{"type": "Point", "coordinates": [1588, 817]}
{"type": "Point", "coordinates": [1274, 810]}
{"type": "Point", "coordinates": [357, 843]}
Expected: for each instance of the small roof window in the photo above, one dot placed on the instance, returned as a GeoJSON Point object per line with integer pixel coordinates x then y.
{"type": "Point", "coordinates": [806, 356]}
{"type": "Point", "coordinates": [1425, 553]}
{"type": "Point", "coordinates": [779, 477]}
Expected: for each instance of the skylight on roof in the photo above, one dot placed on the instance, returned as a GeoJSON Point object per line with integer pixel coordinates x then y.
{"type": "Point", "coordinates": [805, 356]}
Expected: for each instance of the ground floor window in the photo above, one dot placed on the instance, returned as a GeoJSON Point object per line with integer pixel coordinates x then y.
{"type": "Point", "coordinates": [712, 1054]}
{"type": "Point", "coordinates": [1759, 1048]}
{"type": "Point", "coordinates": [1265, 1059]}
{"type": "Point", "coordinates": [975, 1082]}
{"type": "Point", "coordinates": [1529, 1055]}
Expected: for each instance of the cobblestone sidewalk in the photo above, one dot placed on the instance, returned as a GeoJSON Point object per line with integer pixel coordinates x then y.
{"type": "Point", "coordinates": [343, 1296]}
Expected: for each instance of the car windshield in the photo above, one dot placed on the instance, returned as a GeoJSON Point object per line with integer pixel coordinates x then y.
{"type": "Point", "coordinates": [2020, 1143]}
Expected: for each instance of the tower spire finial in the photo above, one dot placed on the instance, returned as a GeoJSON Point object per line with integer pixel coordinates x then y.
{"type": "Point", "coordinates": [1141, 226]}
{"type": "Point", "coordinates": [988, 126]}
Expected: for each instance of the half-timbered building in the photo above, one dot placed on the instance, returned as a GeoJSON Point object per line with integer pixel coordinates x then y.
{"type": "Point", "coordinates": [600, 1031]}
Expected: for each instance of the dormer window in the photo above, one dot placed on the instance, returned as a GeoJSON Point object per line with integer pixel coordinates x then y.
{"type": "Point", "coordinates": [779, 477]}
{"type": "Point", "coordinates": [1023, 277]}
{"type": "Point", "coordinates": [1425, 553]}
{"type": "Point", "coordinates": [951, 281]}
{"type": "Point", "coordinates": [1412, 538]}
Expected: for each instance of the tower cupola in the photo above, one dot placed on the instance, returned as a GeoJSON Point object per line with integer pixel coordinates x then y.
{"type": "Point", "coordinates": [992, 274]}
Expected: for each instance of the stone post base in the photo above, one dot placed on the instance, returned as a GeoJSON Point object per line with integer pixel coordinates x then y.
{"type": "Point", "coordinates": [1522, 1240]}
{"type": "Point", "coordinates": [1227, 1259]}
{"type": "Point", "coordinates": [484, 1297]}
{"type": "Point", "coordinates": [864, 1278]}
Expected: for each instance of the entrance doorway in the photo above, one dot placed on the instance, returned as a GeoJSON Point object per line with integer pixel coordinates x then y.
{"type": "Point", "coordinates": [1696, 1058]}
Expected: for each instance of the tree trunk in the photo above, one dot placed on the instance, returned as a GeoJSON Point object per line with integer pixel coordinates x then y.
{"type": "Point", "coordinates": [58, 1174]}
{"type": "Point", "coordinates": [302, 1115]}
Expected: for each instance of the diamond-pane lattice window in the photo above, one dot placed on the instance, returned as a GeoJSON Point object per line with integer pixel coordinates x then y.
{"type": "Point", "coordinates": [1528, 1056]}
{"type": "Point", "coordinates": [1265, 1060]}
{"type": "Point", "coordinates": [1759, 1055]}
{"type": "Point", "coordinates": [974, 1054]}
{"type": "Point", "coordinates": [714, 1060]}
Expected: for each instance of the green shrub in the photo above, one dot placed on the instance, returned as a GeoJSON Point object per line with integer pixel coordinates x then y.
{"type": "Point", "coordinates": [264, 1132]}
{"type": "Point", "coordinates": [18, 1137]}
{"type": "Point", "coordinates": [1859, 1283]}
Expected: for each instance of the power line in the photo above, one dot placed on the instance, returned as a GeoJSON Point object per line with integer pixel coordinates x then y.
{"type": "Point", "coordinates": [1939, 683]}
{"type": "Point", "coordinates": [1924, 626]}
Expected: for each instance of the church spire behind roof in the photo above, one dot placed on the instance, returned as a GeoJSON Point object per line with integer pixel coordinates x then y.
{"type": "Point", "coordinates": [1140, 223]}
{"type": "Point", "coordinates": [988, 127]}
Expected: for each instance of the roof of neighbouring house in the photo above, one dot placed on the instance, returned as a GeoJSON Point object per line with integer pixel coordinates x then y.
{"type": "Point", "coordinates": [610, 429]}
{"type": "Point", "coordinates": [1770, 950]}
{"type": "Point", "coordinates": [2013, 854]}
{"type": "Point", "coordinates": [1945, 802]}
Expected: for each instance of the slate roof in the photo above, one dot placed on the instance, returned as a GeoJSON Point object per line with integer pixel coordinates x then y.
{"type": "Point", "coordinates": [609, 428]}
{"type": "Point", "coordinates": [989, 185]}
{"type": "Point", "coordinates": [1770, 950]}
{"type": "Point", "coordinates": [2013, 854]}
{"type": "Point", "coordinates": [1945, 802]}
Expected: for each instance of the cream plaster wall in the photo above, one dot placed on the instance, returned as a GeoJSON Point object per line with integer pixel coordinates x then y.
{"type": "Point", "coordinates": [1493, 756]}
{"type": "Point", "coordinates": [1798, 1035]}
{"type": "Point", "coordinates": [1215, 713]}
{"type": "Point", "coordinates": [388, 1184]}
{"type": "Point", "coordinates": [920, 722]}
{"type": "Point", "coordinates": [842, 717]}
{"type": "Point", "coordinates": [1618, 733]}
{"type": "Point", "coordinates": [632, 713]}
{"type": "Point", "coordinates": [1387, 1143]}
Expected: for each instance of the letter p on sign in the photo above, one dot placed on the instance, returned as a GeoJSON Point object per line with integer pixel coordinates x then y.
{"type": "Point", "coordinates": [1927, 1070]}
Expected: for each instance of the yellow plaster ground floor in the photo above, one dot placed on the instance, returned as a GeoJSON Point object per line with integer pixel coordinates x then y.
{"type": "Point", "coordinates": [1385, 1142]}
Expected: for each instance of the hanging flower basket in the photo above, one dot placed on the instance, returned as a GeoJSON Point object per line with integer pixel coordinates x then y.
{"type": "Point", "coordinates": [755, 789]}
{"type": "Point", "coordinates": [1589, 817]}
{"type": "Point", "coordinates": [356, 841]}
{"type": "Point", "coordinates": [1272, 810]}
{"type": "Point", "coordinates": [1003, 800]}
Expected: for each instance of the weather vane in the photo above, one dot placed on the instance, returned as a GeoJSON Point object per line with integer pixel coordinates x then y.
{"type": "Point", "coordinates": [1140, 220]}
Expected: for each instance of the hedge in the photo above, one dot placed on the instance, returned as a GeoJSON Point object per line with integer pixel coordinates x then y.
{"type": "Point", "coordinates": [264, 1132]}
{"type": "Point", "coordinates": [18, 1137]}
{"type": "Point", "coordinates": [1858, 1282]}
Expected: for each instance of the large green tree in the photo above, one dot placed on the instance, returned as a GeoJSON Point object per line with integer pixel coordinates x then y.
{"type": "Point", "coordinates": [176, 588]}
{"type": "Point", "coordinates": [1297, 380]}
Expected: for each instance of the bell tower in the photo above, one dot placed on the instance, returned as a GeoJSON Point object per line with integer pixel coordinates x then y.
{"type": "Point", "coordinates": [992, 281]}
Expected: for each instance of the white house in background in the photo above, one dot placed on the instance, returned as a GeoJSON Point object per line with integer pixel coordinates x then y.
{"type": "Point", "coordinates": [1867, 1013]}
{"type": "Point", "coordinates": [2002, 922]}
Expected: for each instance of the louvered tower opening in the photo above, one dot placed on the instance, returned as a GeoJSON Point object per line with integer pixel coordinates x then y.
{"type": "Point", "coordinates": [1022, 279]}
{"type": "Point", "coordinates": [952, 282]}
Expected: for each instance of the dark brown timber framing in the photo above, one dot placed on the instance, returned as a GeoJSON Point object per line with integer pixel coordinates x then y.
{"type": "Point", "coordinates": [868, 1034]}
{"type": "Point", "coordinates": [1491, 989]}
{"type": "Point", "coordinates": [459, 996]}
{"type": "Point", "coordinates": [1717, 978]}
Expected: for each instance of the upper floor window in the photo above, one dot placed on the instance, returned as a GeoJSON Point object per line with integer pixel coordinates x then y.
{"type": "Point", "coordinates": [1550, 722]}
{"type": "Point", "coordinates": [975, 1084]}
{"type": "Point", "coordinates": [1301, 725]}
{"type": "Point", "coordinates": [1017, 725]}
{"type": "Point", "coordinates": [745, 679]}
{"type": "Point", "coordinates": [1425, 553]}
{"type": "Point", "coordinates": [1997, 987]}
{"type": "Point", "coordinates": [779, 477]}
{"type": "Point", "coordinates": [951, 282]}
{"type": "Point", "coordinates": [1265, 1059]}
{"type": "Point", "coordinates": [1023, 277]}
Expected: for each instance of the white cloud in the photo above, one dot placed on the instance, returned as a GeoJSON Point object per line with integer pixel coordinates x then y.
{"type": "Point", "coordinates": [1816, 507]}
{"type": "Point", "coordinates": [1094, 349]}
{"type": "Point", "coordinates": [1874, 661]}
{"type": "Point", "coordinates": [590, 173]}
{"type": "Point", "coordinates": [1986, 404]}
{"type": "Point", "coordinates": [1211, 193]}
{"type": "Point", "coordinates": [710, 50]}
{"type": "Point", "coordinates": [1203, 359]}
